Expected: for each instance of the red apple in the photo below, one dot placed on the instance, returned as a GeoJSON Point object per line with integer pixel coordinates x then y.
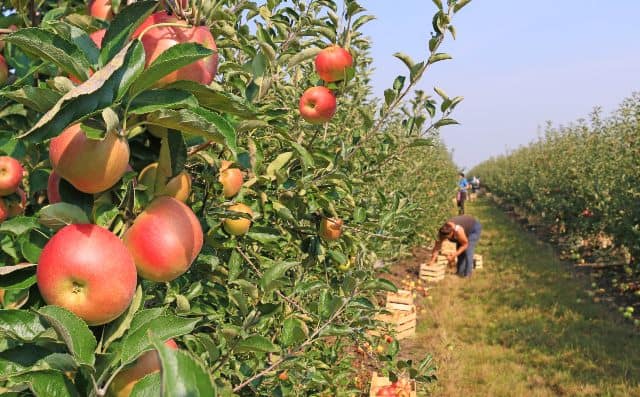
{"type": "Point", "coordinates": [238, 226]}
{"type": "Point", "coordinates": [164, 239]}
{"type": "Point", "coordinates": [317, 105]}
{"type": "Point", "coordinates": [178, 187]}
{"type": "Point", "coordinates": [17, 207]}
{"type": "Point", "coordinates": [157, 40]}
{"type": "Point", "coordinates": [4, 211]}
{"type": "Point", "coordinates": [330, 228]}
{"type": "Point", "coordinates": [147, 363]}
{"type": "Point", "coordinates": [4, 70]}
{"type": "Point", "coordinates": [90, 165]}
{"type": "Point", "coordinates": [87, 269]}
{"type": "Point", "coordinates": [100, 9]}
{"type": "Point", "coordinates": [332, 63]}
{"type": "Point", "coordinates": [231, 179]}
{"type": "Point", "coordinates": [11, 172]}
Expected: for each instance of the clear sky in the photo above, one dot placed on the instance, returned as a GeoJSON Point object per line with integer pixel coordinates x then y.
{"type": "Point", "coordinates": [518, 63]}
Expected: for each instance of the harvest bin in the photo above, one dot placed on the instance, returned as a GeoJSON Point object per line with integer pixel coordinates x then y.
{"type": "Point", "coordinates": [433, 273]}
{"type": "Point", "coordinates": [403, 322]}
{"type": "Point", "coordinates": [401, 300]}
{"type": "Point", "coordinates": [380, 381]}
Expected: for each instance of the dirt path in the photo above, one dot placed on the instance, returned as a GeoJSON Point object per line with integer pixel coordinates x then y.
{"type": "Point", "coordinates": [523, 325]}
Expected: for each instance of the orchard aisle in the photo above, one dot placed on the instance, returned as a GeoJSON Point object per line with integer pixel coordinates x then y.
{"type": "Point", "coordinates": [523, 325]}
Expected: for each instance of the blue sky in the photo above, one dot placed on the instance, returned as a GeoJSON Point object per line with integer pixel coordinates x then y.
{"type": "Point", "coordinates": [517, 63]}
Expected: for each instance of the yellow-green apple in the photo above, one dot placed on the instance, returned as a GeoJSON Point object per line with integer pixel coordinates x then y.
{"type": "Point", "coordinates": [4, 70]}
{"type": "Point", "coordinates": [101, 9]}
{"type": "Point", "coordinates": [332, 63]}
{"type": "Point", "coordinates": [17, 204]}
{"type": "Point", "coordinates": [239, 226]}
{"type": "Point", "coordinates": [90, 165]}
{"type": "Point", "coordinates": [11, 173]}
{"type": "Point", "coordinates": [87, 270]}
{"type": "Point", "coordinates": [330, 228]}
{"type": "Point", "coordinates": [231, 179]}
{"type": "Point", "coordinates": [178, 187]}
{"type": "Point", "coordinates": [164, 239]}
{"type": "Point", "coordinates": [317, 105]}
{"type": "Point", "coordinates": [157, 40]}
{"type": "Point", "coordinates": [146, 364]}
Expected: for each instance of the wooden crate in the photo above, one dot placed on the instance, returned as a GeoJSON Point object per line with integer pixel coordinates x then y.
{"type": "Point", "coordinates": [433, 273]}
{"type": "Point", "coordinates": [448, 247]}
{"type": "Point", "coordinates": [477, 261]}
{"type": "Point", "coordinates": [401, 300]}
{"type": "Point", "coordinates": [380, 381]}
{"type": "Point", "coordinates": [403, 322]}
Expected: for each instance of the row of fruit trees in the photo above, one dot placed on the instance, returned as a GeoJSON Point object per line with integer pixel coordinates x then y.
{"type": "Point", "coordinates": [211, 180]}
{"type": "Point", "coordinates": [581, 182]}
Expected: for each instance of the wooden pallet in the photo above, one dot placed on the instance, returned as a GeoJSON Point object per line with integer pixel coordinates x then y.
{"type": "Point", "coordinates": [477, 261]}
{"type": "Point", "coordinates": [433, 273]}
{"type": "Point", "coordinates": [403, 322]}
{"type": "Point", "coordinates": [401, 300]}
{"type": "Point", "coordinates": [380, 381]}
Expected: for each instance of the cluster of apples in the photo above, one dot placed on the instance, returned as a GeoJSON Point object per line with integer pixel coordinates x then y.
{"type": "Point", "coordinates": [164, 240]}
{"type": "Point", "coordinates": [318, 104]}
{"type": "Point", "coordinates": [400, 388]}
{"type": "Point", "coordinates": [13, 199]}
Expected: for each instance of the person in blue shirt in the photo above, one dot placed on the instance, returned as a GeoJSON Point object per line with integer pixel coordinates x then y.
{"type": "Point", "coordinates": [463, 186]}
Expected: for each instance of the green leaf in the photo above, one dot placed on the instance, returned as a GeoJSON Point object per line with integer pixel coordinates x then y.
{"type": "Point", "coordinates": [36, 98]}
{"type": "Point", "coordinates": [20, 324]}
{"type": "Point", "coordinates": [164, 327]}
{"type": "Point", "coordinates": [58, 215]}
{"type": "Point", "coordinates": [274, 273]}
{"type": "Point", "coordinates": [182, 374]}
{"type": "Point", "coordinates": [406, 59]}
{"type": "Point", "coordinates": [443, 122]}
{"type": "Point", "coordinates": [198, 122]}
{"type": "Point", "coordinates": [19, 225]}
{"type": "Point", "coordinates": [337, 330]}
{"type": "Point", "coordinates": [52, 48]}
{"type": "Point", "coordinates": [256, 343]}
{"type": "Point", "coordinates": [438, 57]}
{"type": "Point", "coordinates": [152, 100]}
{"type": "Point", "coordinates": [278, 163]}
{"type": "Point", "coordinates": [220, 101]}
{"type": "Point", "coordinates": [418, 142]}
{"type": "Point", "coordinates": [117, 328]}
{"type": "Point", "coordinates": [172, 59]}
{"type": "Point", "coordinates": [122, 27]}
{"type": "Point", "coordinates": [361, 21]}
{"type": "Point", "coordinates": [98, 92]}
{"type": "Point", "coordinates": [149, 386]}
{"type": "Point", "coordinates": [18, 276]}
{"type": "Point", "coordinates": [441, 93]}
{"type": "Point", "coordinates": [305, 156]}
{"type": "Point", "coordinates": [48, 384]}
{"type": "Point", "coordinates": [398, 84]}
{"type": "Point", "coordinates": [380, 284]}
{"type": "Point", "coordinates": [303, 55]}
{"type": "Point", "coordinates": [74, 332]}
{"type": "Point", "coordinates": [438, 4]}
{"type": "Point", "coordinates": [460, 4]}
{"type": "Point", "coordinates": [389, 96]}
{"type": "Point", "coordinates": [294, 332]}
{"type": "Point", "coordinates": [78, 37]}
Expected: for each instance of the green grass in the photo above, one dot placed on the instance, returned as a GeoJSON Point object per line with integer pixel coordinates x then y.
{"type": "Point", "coordinates": [523, 325]}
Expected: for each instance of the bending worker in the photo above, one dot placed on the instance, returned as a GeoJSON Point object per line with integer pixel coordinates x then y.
{"type": "Point", "coordinates": [464, 230]}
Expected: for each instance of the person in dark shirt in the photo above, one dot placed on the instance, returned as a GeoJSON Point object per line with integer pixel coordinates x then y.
{"type": "Point", "coordinates": [464, 230]}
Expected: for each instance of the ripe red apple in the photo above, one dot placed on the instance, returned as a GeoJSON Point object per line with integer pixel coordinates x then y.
{"type": "Point", "coordinates": [317, 105]}
{"type": "Point", "coordinates": [100, 9]}
{"type": "Point", "coordinates": [17, 207]}
{"type": "Point", "coordinates": [332, 63]}
{"type": "Point", "coordinates": [157, 40]}
{"type": "Point", "coordinates": [90, 165]}
{"type": "Point", "coordinates": [4, 70]}
{"type": "Point", "coordinates": [330, 228]}
{"type": "Point", "coordinates": [87, 269]}
{"type": "Point", "coordinates": [147, 363]}
{"type": "Point", "coordinates": [178, 187]}
{"type": "Point", "coordinates": [4, 211]}
{"type": "Point", "coordinates": [239, 226]}
{"type": "Point", "coordinates": [231, 179]}
{"type": "Point", "coordinates": [164, 239]}
{"type": "Point", "coordinates": [11, 172]}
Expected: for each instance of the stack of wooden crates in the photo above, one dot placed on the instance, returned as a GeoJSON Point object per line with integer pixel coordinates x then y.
{"type": "Point", "coordinates": [402, 313]}
{"type": "Point", "coordinates": [477, 261]}
{"type": "Point", "coordinates": [437, 272]}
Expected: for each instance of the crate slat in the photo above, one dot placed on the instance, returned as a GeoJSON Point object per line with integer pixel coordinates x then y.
{"type": "Point", "coordinates": [399, 306]}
